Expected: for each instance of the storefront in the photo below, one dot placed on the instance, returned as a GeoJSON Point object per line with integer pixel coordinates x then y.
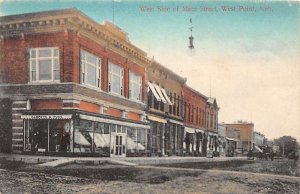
{"type": "Point", "coordinates": [194, 141]}
{"type": "Point", "coordinates": [83, 135]}
{"type": "Point", "coordinates": [174, 138]}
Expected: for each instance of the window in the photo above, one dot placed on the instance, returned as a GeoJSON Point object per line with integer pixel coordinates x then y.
{"type": "Point", "coordinates": [90, 69]}
{"type": "Point", "coordinates": [170, 106]}
{"type": "Point", "coordinates": [44, 64]}
{"type": "Point", "coordinates": [135, 86]}
{"type": "Point", "coordinates": [115, 79]}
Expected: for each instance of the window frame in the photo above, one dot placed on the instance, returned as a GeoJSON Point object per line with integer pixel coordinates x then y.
{"type": "Point", "coordinates": [37, 60]}
{"type": "Point", "coordinates": [121, 76]}
{"type": "Point", "coordinates": [83, 70]}
{"type": "Point", "coordinates": [139, 83]}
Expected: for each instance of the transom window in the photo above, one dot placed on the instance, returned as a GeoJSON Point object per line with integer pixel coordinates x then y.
{"type": "Point", "coordinates": [115, 79]}
{"type": "Point", "coordinates": [90, 69]}
{"type": "Point", "coordinates": [44, 64]}
{"type": "Point", "coordinates": [135, 86]}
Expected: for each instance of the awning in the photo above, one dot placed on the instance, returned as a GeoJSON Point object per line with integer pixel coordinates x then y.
{"type": "Point", "coordinates": [157, 119]}
{"type": "Point", "coordinates": [199, 131]}
{"type": "Point", "coordinates": [258, 149]}
{"type": "Point", "coordinates": [101, 140]}
{"type": "Point", "coordinates": [158, 89]}
{"type": "Point", "coordinates": [104, 120]}
{"type": "Point", "coordinates": [46, 117]}
{"type": "Point", "coordinates": [154, 91]}
{"type": "Point", "coordinates": [80, 139]}
{"type": "Point", "coordinates": [176, 122]}
{"type": "Point", "coordinates": [231, 139]}
{"type": "Point", "coordinates": [166, 96]}
{"type": "Point", "coordinates": [189, 130]}
{"type": "Point", "coordinates": [133, 145]}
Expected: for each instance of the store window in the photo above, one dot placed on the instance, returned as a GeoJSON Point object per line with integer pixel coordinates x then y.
{"type": "Point", "coordinates": [83, 136]}
{"type": "Point", "coordinates": [44, 64]}
{"type": "Point", "coordinates": [135, 86]}
{"type": "Point", "coordinates": [115, 79]}
{"type": "Point", "coordinates": [47, 135]}
{"type": "Point", "coordinates": [90, 69]}
{"type": "Point", "coordinates": [101, 138]}
{"type": "Point", "coordinates": [132, 140]}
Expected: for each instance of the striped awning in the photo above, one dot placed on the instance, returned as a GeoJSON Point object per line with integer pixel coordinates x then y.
{"type": "Point", "coordinates": [159, 91]}
{"type": "Point", "coordinates": [154, 91]}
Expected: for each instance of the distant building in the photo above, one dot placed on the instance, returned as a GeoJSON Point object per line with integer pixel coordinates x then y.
{"type": "Point", "coordinates": [258, 138]}
{"type": "Point", "coordinates": [245, 135]}
{"type": "Point", "coordinates": [222, 139]}
{"type": "Point", "coordinates": [232, 139]}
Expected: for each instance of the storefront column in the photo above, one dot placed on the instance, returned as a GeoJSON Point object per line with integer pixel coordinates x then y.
{"type": "Point", "coordinates": [163, 140]}
{"type": "Point", "coordinates": [72, 123]}
{"type": "Point", "coordinates": [48, 136]}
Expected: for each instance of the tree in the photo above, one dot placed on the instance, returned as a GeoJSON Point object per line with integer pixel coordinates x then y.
{"type": "Point", "coordinates": [287, 144]}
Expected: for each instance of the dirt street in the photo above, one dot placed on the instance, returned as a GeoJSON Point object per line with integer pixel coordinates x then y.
{"type": "Point", "coordinates": [109, 178]}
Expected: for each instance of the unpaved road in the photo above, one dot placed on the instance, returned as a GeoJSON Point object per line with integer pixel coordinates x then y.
{"type": "Point", "coordinates": [120, 179]}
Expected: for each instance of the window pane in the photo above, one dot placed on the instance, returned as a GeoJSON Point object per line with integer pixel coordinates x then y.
{"type": "Point", "coordinates": [45, 70]}
{"type": "Point", "coordinates": [56, 64]}
{"type": "Point", "coordinates": [33, 65]}
{"type": "Point", "coordinates": [115, 69]}
{"type": "Point", "coordinates": [116, 84]}
{"type": "Point", "coordinates": [45, 53]}
{"type": "Point", "coordinates": [32, 53]}
{"type": "Point", "coordinates": [33, 76]}
{"type": "Point", "coordinates": [55, 52]}
{"type": "Point", "coordinates": [91, 75]}
{"type": "Point", "coordinates": [91, 58]}
{"type": "Point", "coordinates": [56, 75]}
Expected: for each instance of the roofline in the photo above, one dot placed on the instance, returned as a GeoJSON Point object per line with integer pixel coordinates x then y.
{"type": "Point", "coordinates": [197, 92]}
{"type": "Point", "coordinates": [159, 65]}
{"type": "Point", "coordinates": [72, 10]}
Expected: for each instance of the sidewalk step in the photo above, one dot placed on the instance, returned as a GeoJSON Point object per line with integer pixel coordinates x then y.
{"type": "Point", "coordinates": [58, 162]}
{"type": "Point", "coordinates": [122, 162]}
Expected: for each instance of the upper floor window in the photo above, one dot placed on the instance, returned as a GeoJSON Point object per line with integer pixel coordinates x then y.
{"type": "Point", "coordinates": [135, 86]}
{"type": "Point", "coordinates": [44, 64]}
{"type": "Point", "coordinates": [115, 79]}
{"type": "Point", "coordinates": [90, 69]}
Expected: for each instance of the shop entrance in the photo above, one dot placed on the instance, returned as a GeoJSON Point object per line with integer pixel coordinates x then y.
{"type": "Point", "coordinates": [118, 144]}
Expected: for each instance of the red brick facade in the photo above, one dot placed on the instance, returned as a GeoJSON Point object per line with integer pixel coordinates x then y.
{"type": "Point", "coordinates": [194, 108]}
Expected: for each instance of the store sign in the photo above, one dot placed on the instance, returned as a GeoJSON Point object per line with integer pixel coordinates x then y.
{"type": "Point", "coordinates": [46, 117]}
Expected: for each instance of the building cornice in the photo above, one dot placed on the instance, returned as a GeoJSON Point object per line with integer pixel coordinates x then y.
{"type": "Point", "coordinates": [72, 19]}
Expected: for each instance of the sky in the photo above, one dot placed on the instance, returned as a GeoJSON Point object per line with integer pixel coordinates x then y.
{"type": "Point", "coordinates": [247, 58]}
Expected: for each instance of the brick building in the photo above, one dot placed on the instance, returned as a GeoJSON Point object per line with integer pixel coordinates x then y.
{"type": "Point", "coordinates": [196, 131]}
{"type": "Point", "coordinates": [165, 110]}
{"type": "Point", "coordinates": [71, 85]}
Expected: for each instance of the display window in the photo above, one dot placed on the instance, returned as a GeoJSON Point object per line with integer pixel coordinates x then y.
{"type": "Point", "coordinates": [47, 135]}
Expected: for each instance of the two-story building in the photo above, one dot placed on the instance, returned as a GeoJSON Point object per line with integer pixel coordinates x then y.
{"type": "Point", "coordinates": [195, 136]}
{"type": "Point", "coordinates": [165, 110]}
{"type": "Point", "coordinates": [71, 85]}
{"type": "Point", "coordinates": [245, 140]}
